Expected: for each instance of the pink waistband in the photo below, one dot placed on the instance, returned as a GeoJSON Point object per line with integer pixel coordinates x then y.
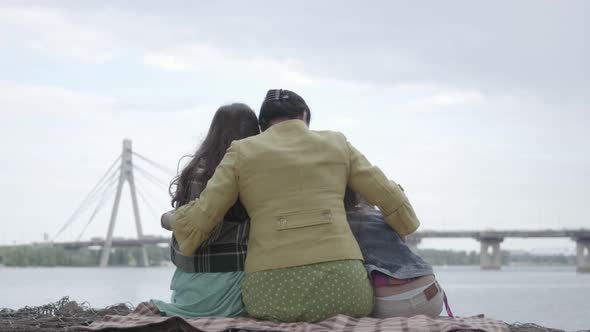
{"type": "Point", "coordinates": [382, 280]}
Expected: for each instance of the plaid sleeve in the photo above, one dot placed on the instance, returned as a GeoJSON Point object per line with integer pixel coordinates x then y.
{"type": "Point", "coordinates": [224, 250]}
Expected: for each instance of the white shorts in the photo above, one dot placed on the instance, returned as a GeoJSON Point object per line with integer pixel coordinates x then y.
{"type": "Point", "coordinates": [425, 300]}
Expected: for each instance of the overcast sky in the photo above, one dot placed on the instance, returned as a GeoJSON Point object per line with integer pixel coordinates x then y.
{"type": "Point", "coordinates": [480, 110]}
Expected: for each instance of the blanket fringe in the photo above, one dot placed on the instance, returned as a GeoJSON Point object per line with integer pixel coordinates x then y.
{"type": "Point", "coordinates": [65, 315]}
{"type": "Point", "coordinates": [62, 315]}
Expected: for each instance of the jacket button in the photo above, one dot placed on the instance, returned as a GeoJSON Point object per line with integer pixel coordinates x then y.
{"type": "Point", "coordinates": [282, 221]}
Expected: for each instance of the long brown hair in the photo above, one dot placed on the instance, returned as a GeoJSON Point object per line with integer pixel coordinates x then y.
{"type": "Point", "coordinates": [230, 122]}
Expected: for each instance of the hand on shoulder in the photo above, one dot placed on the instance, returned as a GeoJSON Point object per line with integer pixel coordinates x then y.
{"type": "Point", "coordinates": [166, 220]}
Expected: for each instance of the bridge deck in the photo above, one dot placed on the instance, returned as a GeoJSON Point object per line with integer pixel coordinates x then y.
{"type": "Point", "coordinates": [153, 240]}
{"type": "Point", "coordinates": [581, 233]}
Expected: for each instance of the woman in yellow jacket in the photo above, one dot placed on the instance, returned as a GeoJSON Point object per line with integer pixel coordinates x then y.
{"type": "Point", "coordinates": [303, 263]}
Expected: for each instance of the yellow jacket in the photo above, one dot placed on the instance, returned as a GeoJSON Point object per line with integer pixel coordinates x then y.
{"type": "Point", "coordinates": [292, 181]}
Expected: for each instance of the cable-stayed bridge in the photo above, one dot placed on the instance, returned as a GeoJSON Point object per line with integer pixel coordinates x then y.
{"type": "Point", "coordinates": [124, 169]}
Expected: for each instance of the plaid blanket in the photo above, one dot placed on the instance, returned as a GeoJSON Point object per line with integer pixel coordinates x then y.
{"type": "Point", "coordinates": [147, 318]}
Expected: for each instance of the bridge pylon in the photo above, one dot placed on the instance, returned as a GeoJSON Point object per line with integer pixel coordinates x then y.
{"type": "Point", "coordinates": [126, 175]}
{"type": "Point", "coordinates": [583, 254]}
{"type": "Point", "coordinates": [490, 256]}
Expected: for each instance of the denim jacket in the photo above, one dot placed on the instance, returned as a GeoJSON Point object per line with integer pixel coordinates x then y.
{"type": "Point", "coordinates": [382, 248]}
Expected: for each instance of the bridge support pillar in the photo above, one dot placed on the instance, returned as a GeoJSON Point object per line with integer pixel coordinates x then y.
{"type": "Point", "coordinates": [583, 255]}
{"type": "Point", "coordinates": [490, 257]}
{"type": "Point", "coordinates": [126, 174]}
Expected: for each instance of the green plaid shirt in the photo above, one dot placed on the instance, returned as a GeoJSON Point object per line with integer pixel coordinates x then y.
{"type": "Point", "coordinates": [224, 250]}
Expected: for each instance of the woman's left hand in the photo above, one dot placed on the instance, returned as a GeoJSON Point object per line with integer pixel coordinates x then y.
{"type": "Point", "coordinates": [166, 220]}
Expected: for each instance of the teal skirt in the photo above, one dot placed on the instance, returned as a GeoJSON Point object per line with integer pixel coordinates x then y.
{"type": "Point", "coordinates": [204, 295]}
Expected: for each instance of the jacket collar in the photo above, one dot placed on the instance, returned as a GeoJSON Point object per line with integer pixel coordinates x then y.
{"type": "Point", "coordinates": [288, 125]}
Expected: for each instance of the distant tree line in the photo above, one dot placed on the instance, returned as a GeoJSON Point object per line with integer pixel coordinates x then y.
{"type": "Point", "coordinates": [47, 255]}
{"type": "Point", "coordinates": [449, 257]}
{"type": "Point", "coordinates": [453, 257]}
{"type": "Point", "coordinates": [526, 258]}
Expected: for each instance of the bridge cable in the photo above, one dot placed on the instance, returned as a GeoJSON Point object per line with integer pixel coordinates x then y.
{"type": "Point", "coordinates": [156, 184]}
{"type": "Point", "coordinates": [90, 196]}
{"type": "Point", "coordinates": [107, 193]}
{"type": "Point", "coordinates": [157, 165]}
{"type": "Point", "coordinates": [147, 203]}
{"type": "Point", "coordinates": [87, 202]}
{"type": "Point", "coordinates": [153, 179]}
{"type": "Point", "coordinates": [155, 200]}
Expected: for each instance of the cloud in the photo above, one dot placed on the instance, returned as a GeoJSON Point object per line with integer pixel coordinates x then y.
{"type": "Point", "coordinates": [211, 60]}
{"type": "Point", "coordinates": [449, 99]}
{"type": "Point", "coordinates": [474, 52]}
{"type": "Point", "coordinates": [34, 98]}
{"type": "Point", "coordinates": [474, 104]}
{"type": "Point", "coordinates": [55, 33]}
{"type": "Point", "coordinates": [60, 141]}
{"type": "Point", "coordinates": [203, 57]}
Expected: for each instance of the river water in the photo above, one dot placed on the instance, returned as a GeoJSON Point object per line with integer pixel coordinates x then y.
{"type": "Point", "coordinates": [550, 296]}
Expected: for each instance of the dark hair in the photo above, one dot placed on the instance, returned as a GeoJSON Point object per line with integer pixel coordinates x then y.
{"type": "Point", "coordinates": [353, 201]}
{"type": "Point", "coordinates": [283, 104]}
{"type": "Point", "coordinates": [230, 123]}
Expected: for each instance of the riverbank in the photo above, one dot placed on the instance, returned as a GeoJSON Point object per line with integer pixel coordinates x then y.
{"type": "Point", "coordinates": [66, 315]}
{"type": "Point", "coordinates": [512, 294]}
{"type": "Point", "coordinates": [49, 256]}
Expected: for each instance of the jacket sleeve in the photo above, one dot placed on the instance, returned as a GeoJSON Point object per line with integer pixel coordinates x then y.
{"type": "Point", "coordinates": [194, 221]}
{"type": "Point", "coordinates": [373, 185]}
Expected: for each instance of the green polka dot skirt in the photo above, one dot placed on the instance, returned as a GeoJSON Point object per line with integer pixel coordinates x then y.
{"type": "Point", "coordinates": [309, 293]}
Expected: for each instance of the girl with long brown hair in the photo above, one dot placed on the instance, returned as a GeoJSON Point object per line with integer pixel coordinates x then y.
{"type": "Point", "coordinates": [207, 283]}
